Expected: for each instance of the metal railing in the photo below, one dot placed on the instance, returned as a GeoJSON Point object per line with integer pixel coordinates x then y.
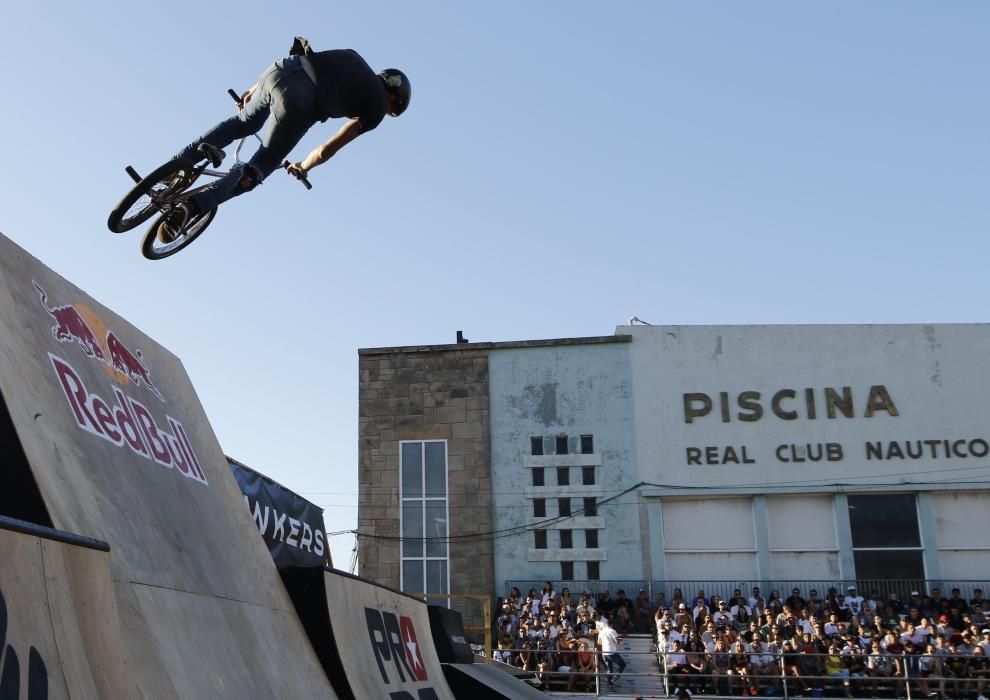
{"type": "Point", "coordinates": [909, 675]}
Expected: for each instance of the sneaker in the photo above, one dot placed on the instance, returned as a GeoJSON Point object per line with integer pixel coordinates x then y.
{"type": "Point", "coordinates": [173, 224]}
{"type": "Point", "coordinates": [212, 154]}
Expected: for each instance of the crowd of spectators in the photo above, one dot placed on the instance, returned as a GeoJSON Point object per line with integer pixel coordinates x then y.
{"type": "Point", "coordinates": [838, 643]}
{"type": "Point", "coordinates": [560, 636]}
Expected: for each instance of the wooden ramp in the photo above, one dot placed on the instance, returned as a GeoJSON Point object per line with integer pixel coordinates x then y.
{"type": "Point", "coordinates": [106, 439]}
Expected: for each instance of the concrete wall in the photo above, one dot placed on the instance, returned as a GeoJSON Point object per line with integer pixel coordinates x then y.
{"type": "Point", "coordinates": [573, 390]}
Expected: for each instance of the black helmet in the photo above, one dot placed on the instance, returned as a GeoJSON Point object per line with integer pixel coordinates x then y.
{"type": "Point", "coordinates": [396, 83]}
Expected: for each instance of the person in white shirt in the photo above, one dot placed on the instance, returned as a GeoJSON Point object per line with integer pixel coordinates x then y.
{"type": "Point", "coordinates": [609, 639]}
{"type": "Point", "coordinates": [854, 602]}
{"type": "Point", "coordinates": [722, 616]}
{"type": "Point", "coordinates": [676, 666]}
{"type": "Point", "coordinates": [741, 612]}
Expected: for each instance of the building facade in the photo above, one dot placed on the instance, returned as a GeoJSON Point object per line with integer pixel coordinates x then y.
{"type": "Point", "coordinates": [683, 453]}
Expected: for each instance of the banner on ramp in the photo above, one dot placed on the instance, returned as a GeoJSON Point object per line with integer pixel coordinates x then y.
{"type": "Point", "coordinates": [291, 526]}
{"type": "Point", "coordinates": [384, 642]}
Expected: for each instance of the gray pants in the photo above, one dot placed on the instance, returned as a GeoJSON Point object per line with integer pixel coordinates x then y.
{"type": "Point", "coordinates": [286, 99]}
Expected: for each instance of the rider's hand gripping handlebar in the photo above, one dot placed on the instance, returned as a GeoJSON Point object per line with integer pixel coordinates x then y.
{"type": "Point", "coordinates": [240, 105]}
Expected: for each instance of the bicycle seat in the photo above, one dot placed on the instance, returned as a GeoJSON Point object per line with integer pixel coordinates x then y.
{"type": "Point", "coordinates": [212, 154]}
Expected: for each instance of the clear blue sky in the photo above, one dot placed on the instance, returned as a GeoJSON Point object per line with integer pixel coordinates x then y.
{"type": "Point", "coordinates": [563, 165]}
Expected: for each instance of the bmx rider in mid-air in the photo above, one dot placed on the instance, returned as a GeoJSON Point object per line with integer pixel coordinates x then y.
{"type": "Point", "coordinates": [292, 95]}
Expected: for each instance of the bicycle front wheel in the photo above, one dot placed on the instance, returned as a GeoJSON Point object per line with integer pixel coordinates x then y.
{"type": "Point", "coordinates": [148, 196]}
{"type": "Point", "coordinates": [154, 249]}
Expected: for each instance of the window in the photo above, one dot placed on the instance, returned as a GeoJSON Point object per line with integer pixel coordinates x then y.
{"type": "Point", "coordinates": [593, 573]}
{"type": "Point", "coordinates": [885, 536]}
{"type": "Point", "coordinates": [587, 444]}
{"type": "Point", "coordinates": [537, 476]}
{"type": "Point", "coordinates": [591, 539]}
{"type": "Point", "coordinates": [423, 516]}
{"type": "Point", "coordinates": [590, 506]}
{"type": "Point", "coordinates": [563, 476]}
{"type": "Point", "coordinates": [566, 539]}
{"type": "Point", "coordinates": [536, 445]}
{"type": "Point", "coordinates": [588, 476]}
{"type": "Point", "coordinates": [561, 444]}
{"type": "Point", "coordinates": [563, 506]}
{"type": "Point", "coordinates": [566, 571]}
{"type": "Point", "coordinates": [539, 507]}
{"type": "Point", "coordinates": [540, 539]}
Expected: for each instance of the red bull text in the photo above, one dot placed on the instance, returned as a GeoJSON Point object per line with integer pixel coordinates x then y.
{"type": "Point", "coordinates": [128, 423]}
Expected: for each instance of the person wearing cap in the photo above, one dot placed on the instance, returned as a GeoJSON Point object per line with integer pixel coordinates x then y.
{"type": "Point", "coordinates": [683, 616]}
{"type": "Point", "coordinates": [854, 601]}
{"type": "Point", "coordinates": [722, 616]}
{"type": "Point", "coordinates": [985, 640]}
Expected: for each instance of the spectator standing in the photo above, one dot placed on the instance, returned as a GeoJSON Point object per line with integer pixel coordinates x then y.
{"type": "Point", "coordinates": [609, 640]}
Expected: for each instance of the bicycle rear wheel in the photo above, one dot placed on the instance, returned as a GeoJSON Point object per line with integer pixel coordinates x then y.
{"type": "Point", "coordinates": [154, 249]}
{"type": "Point", "coordinates": [148, 196]}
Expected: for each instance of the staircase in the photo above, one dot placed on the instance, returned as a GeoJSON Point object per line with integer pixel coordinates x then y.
{"type": "Point", "coordinates": [641, 678]}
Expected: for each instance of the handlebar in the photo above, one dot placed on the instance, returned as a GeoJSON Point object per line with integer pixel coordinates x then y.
{"type": "Point", "coordinates": [237, 99]}
{"type": "Point", "coordinates": [304, 180]}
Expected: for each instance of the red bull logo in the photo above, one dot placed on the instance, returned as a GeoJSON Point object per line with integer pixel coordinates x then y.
{"type": "Point", "coordinates": [121, 420]}
{"type": "Point", "coordinates": [78, 324]}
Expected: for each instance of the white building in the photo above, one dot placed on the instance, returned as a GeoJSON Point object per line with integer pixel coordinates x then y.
{"type": "Point", "coordinates": [730, 453]}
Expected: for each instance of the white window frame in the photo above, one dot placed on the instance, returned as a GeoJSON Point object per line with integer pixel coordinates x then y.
{"type": "Point", "coordinates": [423, 500]}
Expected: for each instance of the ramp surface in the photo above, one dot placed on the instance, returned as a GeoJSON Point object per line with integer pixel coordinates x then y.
{"type": "Point", "coordinates": [59, 630]}
{"type": "Point", "coordinates": [383, 639]}
{"type": "Point", "coordinates": [487, 682]}
{"type": "Point", "coordinates": [122, 451]}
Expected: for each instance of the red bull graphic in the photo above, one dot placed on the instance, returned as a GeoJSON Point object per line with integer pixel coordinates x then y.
{"type": "Point", "coordinates": [128, 423]}
{"type": "Point", "coordinates": [79, 324]}
{"type": "Point", "coordinates": [71, 327]}
{"type": "Point", "coordinates": [123, 360]}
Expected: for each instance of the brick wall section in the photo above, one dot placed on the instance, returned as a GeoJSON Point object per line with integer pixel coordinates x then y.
{"type": "Point", "coordinates": [426, 394]}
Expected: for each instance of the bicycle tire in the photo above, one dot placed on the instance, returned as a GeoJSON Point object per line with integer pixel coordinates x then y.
{"type": "Point", "coordinates": [144, 200]}
{"type": "Point", "coordinates": [153, 249]}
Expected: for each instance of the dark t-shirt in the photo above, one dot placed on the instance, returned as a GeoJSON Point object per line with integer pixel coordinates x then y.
{"type": "Point", "coordinates": [346, 86]}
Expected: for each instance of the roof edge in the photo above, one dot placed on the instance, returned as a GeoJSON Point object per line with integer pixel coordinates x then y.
{"type": "Point", "coordinates": [506, 345]}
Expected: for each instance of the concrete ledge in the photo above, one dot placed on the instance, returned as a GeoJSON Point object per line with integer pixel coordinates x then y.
{"type": "Point", "coordinates": [594, 340]}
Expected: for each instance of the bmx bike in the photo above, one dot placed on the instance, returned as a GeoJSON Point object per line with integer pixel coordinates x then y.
{"type": "Point", "coordinates": [164, 189]}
